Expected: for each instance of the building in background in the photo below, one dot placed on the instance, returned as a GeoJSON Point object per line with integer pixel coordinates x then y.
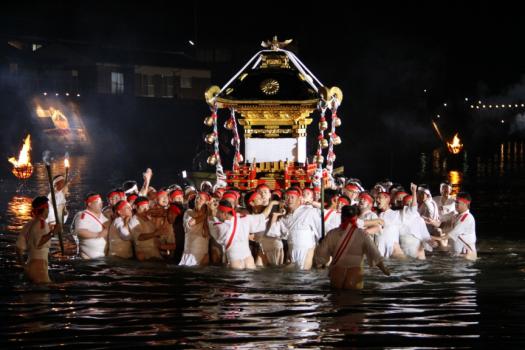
{"type": "Point", "coordinates": [71, 69]}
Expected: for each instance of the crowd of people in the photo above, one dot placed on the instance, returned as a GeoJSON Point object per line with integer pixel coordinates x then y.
{"type": "Point", "coordinates": [248, 230]}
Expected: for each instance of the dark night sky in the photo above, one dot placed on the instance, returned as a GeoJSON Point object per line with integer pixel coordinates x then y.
{"type": "Point", "coordinates": [470, 41]}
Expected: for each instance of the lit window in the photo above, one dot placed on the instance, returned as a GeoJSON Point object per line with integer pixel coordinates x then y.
{"type": "Point", "coordinates": [117, 83]}
{"type": "Point", "coordinates": [185, 82]}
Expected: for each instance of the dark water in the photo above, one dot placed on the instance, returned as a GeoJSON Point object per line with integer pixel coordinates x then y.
{"type": "Point", "coordinates": [437, 303]}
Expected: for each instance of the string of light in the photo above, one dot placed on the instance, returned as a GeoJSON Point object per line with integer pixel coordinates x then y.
{"type": "Point", "coordinates": [481, 105]}
{"type": "Point", "coordinates": [58, 94]}
{"type": "Point", "coordinates": [486, 105]}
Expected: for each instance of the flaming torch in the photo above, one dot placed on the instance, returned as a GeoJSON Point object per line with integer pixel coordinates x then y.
{"type": "Point", "coordinates": [66, 166]}
{"type": "Point", "coordinates": [66, 179]}
{"type": "Point", "coordinates": [53, 198]}
{"type": "Point", "coordinates": [456, 146]}
{"type": "Point", "coordinates": [22, 167]}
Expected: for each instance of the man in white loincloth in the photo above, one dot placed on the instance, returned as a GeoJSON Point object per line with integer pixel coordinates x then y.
{"type": "Point", "coordinates": [35, 238]}
{"type": "Point", "coordinates": [388, 240]}
{"type": "Point", "coordinates": [272, 246]}
{"type": "Point", "coordinates": [197, 237]}
{"type": "Point", "coordinates": [463, 233]}
{"type": "Point", "coordinates": [301, 226]}
{"type": "Point", "coordinates": [119, 237]}
{"type": "Point", "coordinates": [232, 230]}
{"type": "Point", "coordinates": [91, 228]}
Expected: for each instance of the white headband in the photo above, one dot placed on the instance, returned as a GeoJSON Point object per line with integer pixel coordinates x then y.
{"type": "Point", "coordinates": [57, 179]}
{"type": "Point", "coordinates": [443, 185]}
{"type": "Point", "coordinates": [424, 190]}
{"type": "Point", "coordinates": [133, 189]}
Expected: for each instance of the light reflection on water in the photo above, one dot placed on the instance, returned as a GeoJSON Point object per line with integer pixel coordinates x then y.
{"type": "Point", "coordinates": [18, 207]}
{"type": "Point", "coordinates": [212, 307]}
{"type": "Point", "coordinates": [507, 159]}
{"type": "Point", "coordinates": [455, 178]}
{"type": "Point", "coordinates": [18, 212]}
{"type": "Point", "coordinates": [429, 303]}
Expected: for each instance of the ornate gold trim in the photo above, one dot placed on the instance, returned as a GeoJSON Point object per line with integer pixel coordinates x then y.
{"type": "Point", "coordinates": [274, 61]}
{"type": "Point", "coordinates": [275, 133]}
{"type": "Point", "coordinates": [255, 103]}
{"type": "Point", "coordinates": [270, 86]}
{"type": "Point", "coordinates": [274, 115]}
{"type": "Point", "coordinates": [327, 93]}
{"type": "Point", "coordinates": [211, 93]}
{"type": "Point", "coordinates": [275, 44]}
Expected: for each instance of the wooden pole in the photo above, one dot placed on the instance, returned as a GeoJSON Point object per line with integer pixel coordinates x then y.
{"type": "Point", "coordinates": [322, 208]}
{"type": "Point", "coordinates": [53, 200]}
{"type": "Point", "coordinates": [66, 180]}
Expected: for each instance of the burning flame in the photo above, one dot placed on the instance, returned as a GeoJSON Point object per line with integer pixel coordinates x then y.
{"type": "Point", "coordinates": [59, 119]}
{"type": "Point", "coordinates": [24, 156]}
{"type": "Point", "coordinates": [456, 146]}
{"type": "Point", "coordinates": [22, 167]}
{"type": "Point", "coordinates": [66, 163]}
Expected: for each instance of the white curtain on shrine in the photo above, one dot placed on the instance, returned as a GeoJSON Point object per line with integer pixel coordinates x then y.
{"type": "Point", "coordinates": [274, 150]}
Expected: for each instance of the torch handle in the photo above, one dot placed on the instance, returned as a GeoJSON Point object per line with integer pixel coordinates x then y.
{"type": "Point", "coordinates": [55, 210]}
{"type": "Point", "coordinates": [65, 192]}
{"type": "Point", "coordinates": [66, 180]}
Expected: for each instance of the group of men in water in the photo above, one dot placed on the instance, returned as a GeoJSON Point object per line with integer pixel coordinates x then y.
{"type": "Point", "coordinates": [263, 227]}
